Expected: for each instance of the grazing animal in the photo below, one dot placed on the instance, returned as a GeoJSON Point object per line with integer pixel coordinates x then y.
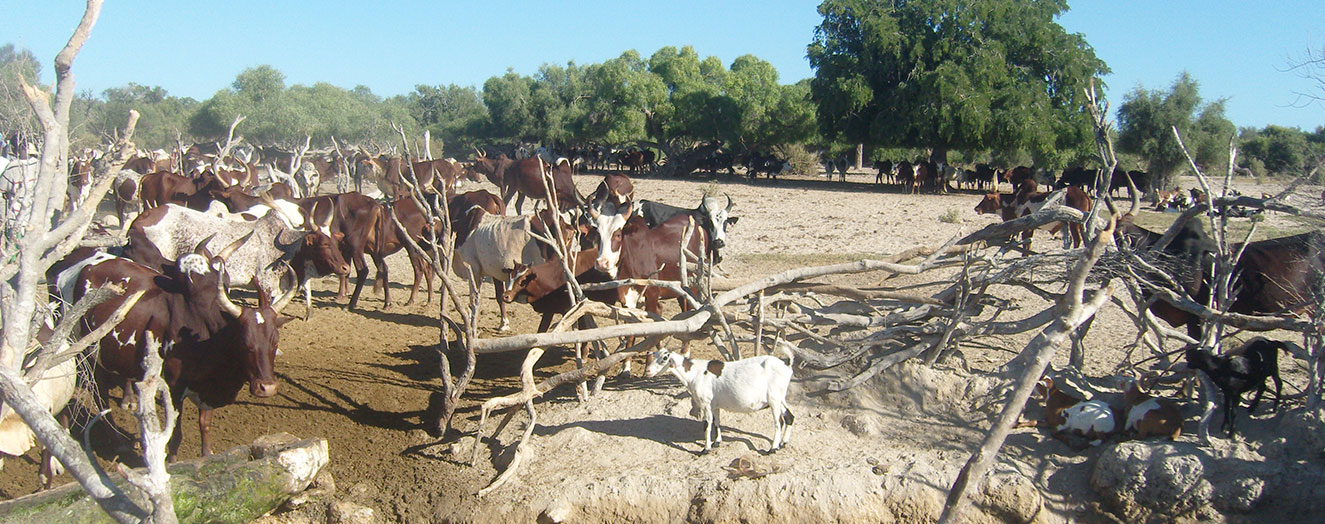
{"type": "Point", "coordinates": [612, 193]}
{"type": "Point", "coordinates": [54, 388]}
{"type": "Point", "coordinates": [1148, 416]}
{"type": "Point", "coordinates": [1069, 416]}
{"type": "Point", "coordinates": [524, 177]}
{"type": "Point", "coordinates": [1027, 201]}
{"type": "Point", "coordinates": [1238, 372]}
{"type": "Point", "coordinates": [212, 347]}
{"type": "Point", "coordinates": [743, 386]}
{"type": "Point", "coordinates": [159, 236]}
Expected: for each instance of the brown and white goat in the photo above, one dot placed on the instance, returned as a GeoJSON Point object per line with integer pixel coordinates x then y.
{"type": "Point", "coordinates": [1148, 416]}
{"type": "Point", "coordinates": [1069, 416]}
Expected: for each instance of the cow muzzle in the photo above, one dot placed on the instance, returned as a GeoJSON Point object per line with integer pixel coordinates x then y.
{"type": "Point", "coordinates": [718, 243]}
{"type": "Point", "coordinates": [262, 388]}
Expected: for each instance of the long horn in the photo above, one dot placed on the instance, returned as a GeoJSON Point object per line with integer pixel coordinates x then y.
{"type": "Point", "coordinates": [224, 300]}
{"type": "Point", "coordinates": [1136, 195]}
{"type": "Point", "coordinates": [729, 203]}
{"type": "Point", "coordinates": [224, 255]}
{"type": "Point", "coordinates": [286, 296]}
{"type": "Point", "coordinates": [201, 248]}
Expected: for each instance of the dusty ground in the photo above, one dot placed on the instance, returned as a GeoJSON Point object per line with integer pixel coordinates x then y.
{"type": "Point", "coordinates": [886, 451]}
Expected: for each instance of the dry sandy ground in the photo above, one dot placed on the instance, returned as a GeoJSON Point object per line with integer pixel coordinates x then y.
{"type": "Point", "coordinates": [886, 451]}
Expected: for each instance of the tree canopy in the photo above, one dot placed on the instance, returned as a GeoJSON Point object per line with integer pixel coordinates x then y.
{"type": "Point", "coordinates": [1145, 127]}
{"type": "Point", "coordinates": [949, 74]}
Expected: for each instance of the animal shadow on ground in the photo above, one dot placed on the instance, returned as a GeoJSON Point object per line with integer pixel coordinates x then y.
{"type": "Point", "coordinates": [325, 398]}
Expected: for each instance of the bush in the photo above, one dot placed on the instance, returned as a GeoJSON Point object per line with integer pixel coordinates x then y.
{"type": "Point", "coordinates": [803, 162]}
{"type": "Point", "coordinates": [951, 217]}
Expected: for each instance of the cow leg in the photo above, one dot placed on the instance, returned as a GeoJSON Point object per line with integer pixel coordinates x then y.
{"type": "Point", "coordinates": [545, 323]}
{"type": "Point", "coordinates": [384, 280]}
{"type": "Point", "coordinates": [50, 467]}
{"type": "Point", "coordinates": [499, 287]}
{"type": "Point", "coordinates": [416, 264]}
{"type": "Point", "coordinates": [205, 428]}
{"type": "Point", "coordinates": [360, 276]}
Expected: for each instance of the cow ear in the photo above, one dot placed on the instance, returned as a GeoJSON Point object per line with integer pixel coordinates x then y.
{"type": "Point", "coordinates": [732, 220]}
{"type": "Point", "coordinates": [281, 320]}
{"type": "Point", "coordinates": [338, 235]}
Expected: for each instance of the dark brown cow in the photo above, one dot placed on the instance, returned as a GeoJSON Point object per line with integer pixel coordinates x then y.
{"type": "Point", "coordinates": [461, 204]}
{"type": "Point", "coordinates": [543, 286]}
{"type": "Point", "coordinates": [523, 177]}
{"type": "Point", "coordinates": [212, 347]}
{"type": "Point", "coordinates": [1274, 277]}
{"type": "Point", "coordinates": [164, 187]}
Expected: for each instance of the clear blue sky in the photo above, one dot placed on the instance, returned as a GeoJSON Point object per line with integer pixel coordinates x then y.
{"type": "Point", "coordinates": [1233, 48]}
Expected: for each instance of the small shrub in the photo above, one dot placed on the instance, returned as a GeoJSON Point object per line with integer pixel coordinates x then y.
{"type": "Point", "coordinates": [951, 217]}
{"type": "Point", "coordinates": [712, 189]}
{"type": "Point", "coordinates": [803, 162]}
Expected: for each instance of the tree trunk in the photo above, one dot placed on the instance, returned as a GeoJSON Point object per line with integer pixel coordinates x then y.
{"type": "Point", "coordinates": [236, 486]}
{"type": "Point", "coordinates": [860, 157]}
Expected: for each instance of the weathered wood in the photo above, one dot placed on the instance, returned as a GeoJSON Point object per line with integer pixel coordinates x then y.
{"type": "Point", "coordinates": [237, 486]}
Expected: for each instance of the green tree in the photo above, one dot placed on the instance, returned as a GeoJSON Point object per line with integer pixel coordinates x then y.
{"type": "Point", "coordinates": [164, 118]}
{"type": "Point", "coordinates": [950, 74]}
{"type": "Point", "coordinates": [510, 106]}
{"type": "Point", "coordinates": [1145, 127]}
{"type": "Point", "coordinates": [1281, 150]}
{"type": "Point", "coordinates": [15, 113]}
{"type": "Point", "coordinates": [455, 115]}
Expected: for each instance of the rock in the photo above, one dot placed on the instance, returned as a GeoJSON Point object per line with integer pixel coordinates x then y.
{"type": "Point", "coordinates": [558, 511]}
{"type": "Point", "coordinates": [1143, 481]}
{"type": "Point", "coordinates": [1010, 497]}
{"type": "Point", "coordinates": [863, 425]}
{"type": "Point", "coordinates": [341, 512]}
{"type": "Point", "coordinates": [1239, 495]}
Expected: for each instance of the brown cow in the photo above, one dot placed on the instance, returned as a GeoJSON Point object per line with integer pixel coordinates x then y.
{"type": "Point", "coordinates": [523, 177]}
{"type": "Point", "coordinates": [543, 286]}
{"type": "Point", "coordinates": [628, 248]}
{"type": "Point", "coordinates": [164, 187]}
{"type": "Point", "coordinates": [211, 346]}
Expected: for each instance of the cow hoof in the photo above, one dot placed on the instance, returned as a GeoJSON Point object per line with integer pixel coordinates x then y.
{"type": "Point", "coordinates": [505, 326]}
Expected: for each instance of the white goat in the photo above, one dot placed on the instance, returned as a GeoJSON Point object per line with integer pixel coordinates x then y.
{"type": "Point", "coordinates": [746, 385]}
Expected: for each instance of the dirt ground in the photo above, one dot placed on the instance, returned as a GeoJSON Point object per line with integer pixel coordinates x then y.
{"type": "Point", "coordinates": [886, 451]}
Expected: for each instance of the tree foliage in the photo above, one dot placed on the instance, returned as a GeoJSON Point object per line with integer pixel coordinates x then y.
{"type": "Point", "coordinates": [950, 74]}
{"type": "Point", "coordinates": [1278, 150]}
{"type": "Point", "coordinates": [15, 114]}
{"type": "Point", "coordinates": [1146, 120]}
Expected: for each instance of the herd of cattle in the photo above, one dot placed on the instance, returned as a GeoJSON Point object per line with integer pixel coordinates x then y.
{"type": "Point", "coordinates": [199, 225]}
{"type": "Point", "coordinates": [197, 232]}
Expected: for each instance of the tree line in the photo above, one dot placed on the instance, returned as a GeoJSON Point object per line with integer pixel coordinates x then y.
{"type": "Point", "coordinates": [995, 81]}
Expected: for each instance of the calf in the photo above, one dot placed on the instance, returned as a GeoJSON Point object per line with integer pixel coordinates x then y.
{"type": "Point", "coordinates": [1069, 416]}
{"type": "Point", "coordinates": [743, 386]}
{"type": "Point", "coordinates": [1238, 372]}
{"type": "Point", "coordinates": [1148, 416]}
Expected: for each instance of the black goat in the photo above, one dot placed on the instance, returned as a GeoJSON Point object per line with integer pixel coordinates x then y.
{"type": "Point", "coordinates": [1238, 372]}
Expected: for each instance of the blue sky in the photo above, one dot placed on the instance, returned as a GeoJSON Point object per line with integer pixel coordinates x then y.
{"type": "Point", "coordinates": [1235, 49]}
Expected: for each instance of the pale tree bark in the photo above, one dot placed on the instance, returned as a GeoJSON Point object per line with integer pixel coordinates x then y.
{"type": "Point", "coordinates": [44, 241]}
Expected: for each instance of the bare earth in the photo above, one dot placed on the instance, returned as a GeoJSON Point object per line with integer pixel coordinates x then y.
{"type": "Point", "coordinates": [886, 451]}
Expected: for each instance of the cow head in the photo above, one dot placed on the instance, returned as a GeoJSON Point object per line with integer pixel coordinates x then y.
{"type": "Point", "coordinates": [321, 247]}
{"type": "Point", "coordinates": [259, 338]}
{"type": "Point", "coordinates": [610, 234]}
{"type": "Point", "coordinates": [717, 218]}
